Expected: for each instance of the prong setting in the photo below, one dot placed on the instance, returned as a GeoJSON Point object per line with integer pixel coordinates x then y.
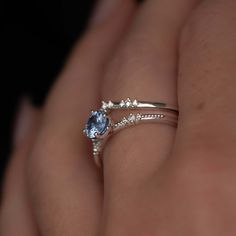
{"type": "Point", "coordinates": [96, 124]}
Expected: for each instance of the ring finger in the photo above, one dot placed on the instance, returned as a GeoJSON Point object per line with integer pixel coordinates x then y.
{"type": "Point", "coordinates": [145, 69]}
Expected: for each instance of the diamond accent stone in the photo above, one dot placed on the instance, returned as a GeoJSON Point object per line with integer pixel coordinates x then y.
{"type": "Point", "coordinates": [138, 116]}
{"type": "Point", "coordinates": [131, 118]}
{"type": "Point", "coordinates": [128, 102]}
{"type": "Point", "coordinates": [110, 104]}
{"type": "Point", "coordinates": [135, 103]}
{"type": "Point", "coordinates": [97, 124]}
{"type": "Point", "coordinates": [104, 105]}
{"type": "Point", "coordinates": [122, 103]}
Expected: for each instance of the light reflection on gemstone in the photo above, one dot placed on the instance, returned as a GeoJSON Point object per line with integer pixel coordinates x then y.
{"type": "Point", "coordinates": [96, 124]}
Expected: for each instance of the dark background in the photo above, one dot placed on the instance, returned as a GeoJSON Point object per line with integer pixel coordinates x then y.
{"type": "Point", "coordinates": [35, 40]}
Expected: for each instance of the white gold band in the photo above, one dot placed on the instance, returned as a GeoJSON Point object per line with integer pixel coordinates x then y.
{"type": "Point", "coordinates": [100, 125]}
{"type": "Point", "coordinates": [135, 104]}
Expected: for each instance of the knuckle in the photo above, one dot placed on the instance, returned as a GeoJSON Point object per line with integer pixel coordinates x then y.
{"type": "Point", "coordinates": [207, 23]}
{"type": "Point", "coordinates": [192, 171]}
{"type": "Point", "coordinates": [207, 162]}
{"type": "Point", "coordinates": [206, 140]}
{"type": "Point", "coordinates": [133, 60]}
{"type": "Point", "coordinates": [194, 32]}
{"type": "Point", "coordinates": [202, 177]}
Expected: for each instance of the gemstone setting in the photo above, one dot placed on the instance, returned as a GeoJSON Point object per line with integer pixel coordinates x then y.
{"type": "Point", "coordinates": [97, 124]}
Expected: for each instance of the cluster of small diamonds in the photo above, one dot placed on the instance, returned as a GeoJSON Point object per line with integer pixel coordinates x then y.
{"type": "Point", "coordinates": [130, 120]}
{"type": "Point", "coordinates": [96, 147]}
{"type": "Point", "coordinates": [134, 118]}
{"type": "Point", "coordinates": [107, 105]}
{"type": "Point", "coordinates": [127, 103]}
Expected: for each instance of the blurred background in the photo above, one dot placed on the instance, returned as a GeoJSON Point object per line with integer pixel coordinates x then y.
{"type": "Point", "coordinates": [36, 37]}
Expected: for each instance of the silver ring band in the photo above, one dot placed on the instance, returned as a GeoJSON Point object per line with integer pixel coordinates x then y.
{"type": "Point", "coordinates": [100, 126]}
{"type": "Point", "coordinates": [134, 119]}
{"type": "Point", "coordinates": [135, 104]}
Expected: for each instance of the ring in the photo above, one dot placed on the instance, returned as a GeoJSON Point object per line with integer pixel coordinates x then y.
{"type": "Point", "coordinates": [100, 126]}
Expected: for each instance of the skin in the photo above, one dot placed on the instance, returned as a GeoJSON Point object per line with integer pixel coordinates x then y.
{"type": "Point", "coordinates": [156, 180]}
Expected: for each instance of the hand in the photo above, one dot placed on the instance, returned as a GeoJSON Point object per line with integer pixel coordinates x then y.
{"type": "Point", "coordinates": [156, 180]}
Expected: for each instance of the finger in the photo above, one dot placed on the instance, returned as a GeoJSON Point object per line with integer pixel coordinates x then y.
{"type": "Point", "coordinates": [66, 187]}
{"type": "Point", "coordinates": [15, 213]}
{"type": "Point", "coordinates": [207, 82]}
{"type": "Point", "coordinates": [201, 174]}
{"type": "Point", "coordinates": [145, 69]}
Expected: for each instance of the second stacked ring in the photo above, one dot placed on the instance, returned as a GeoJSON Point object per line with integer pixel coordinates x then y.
{"type": "Point", "coordinates": [100, 125]}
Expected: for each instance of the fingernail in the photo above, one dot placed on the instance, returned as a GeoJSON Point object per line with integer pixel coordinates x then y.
{"type": "Point", "coordinates": [103, 10]}
{"type": "Point", "coordinates": [24, 122]}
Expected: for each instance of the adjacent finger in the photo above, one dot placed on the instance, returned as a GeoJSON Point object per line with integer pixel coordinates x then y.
{"type": "Point", "coordinates": [16, 213]}
{"type": "Point", "coordinates": [200, 178]}
{"type": "Point", "coordinates": [65, 185]}
{"type": "Point", "coordinates": [207, 82]}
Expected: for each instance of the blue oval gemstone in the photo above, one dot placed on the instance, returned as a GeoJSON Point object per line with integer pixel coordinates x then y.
{"type": "Point", "coordinates": [97, 123]}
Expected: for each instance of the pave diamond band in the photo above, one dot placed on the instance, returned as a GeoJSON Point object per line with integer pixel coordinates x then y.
{"type": "Point", "coordinates": [100, 126]}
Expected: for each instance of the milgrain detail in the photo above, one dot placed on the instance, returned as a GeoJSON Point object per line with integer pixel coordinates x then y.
{"type": "Point", "coordinates": [152, 116]}
{"type": "Point", "coordinates": [133, 119]}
